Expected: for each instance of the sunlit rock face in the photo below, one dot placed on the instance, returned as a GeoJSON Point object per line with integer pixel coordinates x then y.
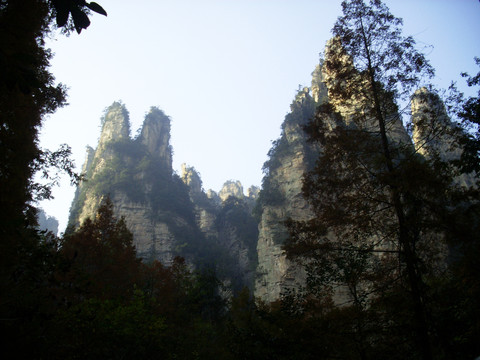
{"type": "Point", "coordinates": [191, 178]}
{"type": "Point", "coordinates": [231, 188]}
{"type": "Point", "coordinates": [434, 134]}
{"type": "Point", "coordinates": [115, 126]}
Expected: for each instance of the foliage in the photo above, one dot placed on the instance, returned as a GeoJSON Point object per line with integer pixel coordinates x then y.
{"type": "Point", "coordinates": [101, 254]}
{"type": "Point", "coordinates": [88, 296]}
{"type": "Point", "coordinates": [79, 11]}
{"type": "Point", "coordinates": [58, 161]}
{"type": "Point", "coordinates": [27, 94]}
{"type": "Point", "coordinates": [234, 222]}
{"type": "Point", "coordinates": [469, 113]}
{"type": "Point", "coordinates": [372, 36]}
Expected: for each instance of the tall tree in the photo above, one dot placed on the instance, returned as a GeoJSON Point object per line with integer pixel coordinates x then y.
{"type": "Point", "coordinates": [27, 94]}
{"type": "Point", "coordinates": [378, 212]}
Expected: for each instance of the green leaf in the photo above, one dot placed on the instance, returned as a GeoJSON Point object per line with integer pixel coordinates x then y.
{"type": "Point", "coordinates": [97, 8]}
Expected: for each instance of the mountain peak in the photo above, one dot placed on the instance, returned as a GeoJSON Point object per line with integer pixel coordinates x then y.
{"type": "Point", "coordinates": [115, 123]}
{"type": "Point", "coordinates": [155, 134]}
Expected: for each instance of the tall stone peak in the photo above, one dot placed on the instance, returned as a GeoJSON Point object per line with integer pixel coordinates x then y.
{"type": "Point", "coordinates": [292, 155]}
{"type": "Point", "coordinates": [115, 124]}
{"type": "Point", "coordinates": [253, 192]}
{"type": "Point", "coordinates": [118, 159]}
{"type": "Point", "coordinates": [191, 178]}
{"type": "Point", "coordinates": [434, 134]}
{"type": "Point", "coordinates": [89, 155]}
{"type": "Point", "coordinates": [231, 188]}
{"type": "Point", "coordinates": [432, 128]}
{"type": "Point", "coordinates": [338, 61]}
{"type": "Point", "coordinates": [155, 134]}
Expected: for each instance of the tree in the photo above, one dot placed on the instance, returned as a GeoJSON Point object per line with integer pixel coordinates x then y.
{"type": "Point", "coordinates": [469, 113]}
{"type": "Point", "coordinates": [380, 207]}
{"type": "Point", "coordinates": [101, 252]}
{"type": "Point", "coordinates": [27, 94]}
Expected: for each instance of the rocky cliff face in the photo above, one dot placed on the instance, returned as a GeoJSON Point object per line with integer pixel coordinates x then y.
{"type": "Point", "coordinates": [120, 167]}
{"type": "Point", "coordinates": [169, 215]}
{"type": "Point", "coordinates": [291, 156]}
{"type": "Point", "coordinates": [281, 198]}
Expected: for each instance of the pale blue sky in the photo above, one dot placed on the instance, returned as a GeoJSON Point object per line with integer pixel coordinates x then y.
{"type": "Point", "coordinates": [225, 71]}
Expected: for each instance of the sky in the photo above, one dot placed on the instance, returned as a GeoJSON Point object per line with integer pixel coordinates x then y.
{"type": "Point", "coordinates": [224, 71]}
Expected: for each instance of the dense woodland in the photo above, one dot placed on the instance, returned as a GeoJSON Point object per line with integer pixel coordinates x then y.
{"type": "Point", "coordinates": [392, 227]}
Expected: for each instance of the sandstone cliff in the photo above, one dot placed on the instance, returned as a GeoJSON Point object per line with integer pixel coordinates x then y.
{"type": "Point", "coordinates": [169, 215]}
{"type": "Point", "coordinates": [291, 156]}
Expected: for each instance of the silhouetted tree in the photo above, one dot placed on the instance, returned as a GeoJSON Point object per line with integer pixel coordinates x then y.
{"type": "Point", "coordinates": [27, 94]}
{"type": "Point", "coordinates": [102, 255]}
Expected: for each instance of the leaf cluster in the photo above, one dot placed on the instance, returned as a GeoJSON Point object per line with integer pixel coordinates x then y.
{"type": "Point", "coordinates": [73, 14]}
